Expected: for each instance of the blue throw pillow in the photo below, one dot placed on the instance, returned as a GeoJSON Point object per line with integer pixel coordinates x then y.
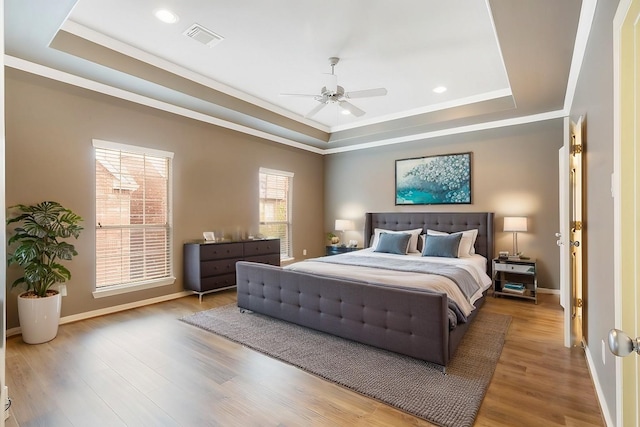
{"type": "Point", "coordinates": [396, 243]}
{"type": "Point", "coordinates": [443, 246]}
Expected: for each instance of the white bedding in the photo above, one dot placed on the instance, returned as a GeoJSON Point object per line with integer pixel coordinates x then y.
{"type": "Point", "coordinates": [475, 265]}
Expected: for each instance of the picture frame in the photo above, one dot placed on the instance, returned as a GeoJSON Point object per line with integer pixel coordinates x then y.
{"type": "Point", "coordinates": [434, 180]}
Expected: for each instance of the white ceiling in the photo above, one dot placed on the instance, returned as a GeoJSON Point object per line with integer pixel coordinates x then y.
{"type": "Point", "coordinates": [282, 47]}
{"type": "Point", "coordinates": [499, 59]}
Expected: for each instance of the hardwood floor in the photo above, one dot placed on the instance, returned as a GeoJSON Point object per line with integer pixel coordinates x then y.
{"type": "Point", "coordinates": [144, 368]}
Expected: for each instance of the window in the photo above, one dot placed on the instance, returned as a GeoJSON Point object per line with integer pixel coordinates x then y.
{"type": "Point", "coordinates": [275, 207]}
{"type": "Point", "coordinates": [133, 218]}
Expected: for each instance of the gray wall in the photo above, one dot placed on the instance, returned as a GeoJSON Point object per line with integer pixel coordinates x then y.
{"type": "Point", "coordinates": [594, 101]}
{"type": "Point", "coordinates": [49, 156]}
{"type": "Point", "coordinates": [514, 172]}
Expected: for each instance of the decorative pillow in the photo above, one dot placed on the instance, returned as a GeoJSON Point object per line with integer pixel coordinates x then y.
{"type": "Point", "coordinates": [467, 244]}
{"type": "Point", "coordinates": [442, 245]}
{"type": "Point", "coordinates": [393, 243]}
{"type": "Point", "coordinates": [413, 242]}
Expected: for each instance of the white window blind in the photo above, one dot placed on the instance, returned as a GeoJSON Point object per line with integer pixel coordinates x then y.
{"type": "Point", "coordinates": [275, 207]}
{"type": "Point", "coordinates": [133, 220]}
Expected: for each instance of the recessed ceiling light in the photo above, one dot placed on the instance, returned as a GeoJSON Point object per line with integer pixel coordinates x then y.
{"type": "Point", "coordinates": [440, 89]}
{"type": "Point", "coordinates": [166, 16]}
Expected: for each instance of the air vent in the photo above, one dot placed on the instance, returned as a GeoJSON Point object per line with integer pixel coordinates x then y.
{"type": "Point", "coordinates": [204, 36]}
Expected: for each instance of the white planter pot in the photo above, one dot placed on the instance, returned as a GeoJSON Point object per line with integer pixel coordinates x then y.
{"type": "Point", "coordinates": [39, 318]}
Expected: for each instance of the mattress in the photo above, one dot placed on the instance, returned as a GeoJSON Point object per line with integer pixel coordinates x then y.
{"type": "Point", "coordinates": [348, 266]}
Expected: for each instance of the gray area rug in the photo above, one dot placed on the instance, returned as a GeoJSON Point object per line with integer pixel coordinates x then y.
{"type": "Point", "coordinates": [414, 386]}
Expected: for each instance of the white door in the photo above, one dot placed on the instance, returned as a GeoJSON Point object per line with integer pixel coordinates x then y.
{"type": "Point", "coordinates": [570, 233]}
{"type": "Point", "coordinates": [626, 208]}
{"type": "Point", "coordinates": [563, 233]}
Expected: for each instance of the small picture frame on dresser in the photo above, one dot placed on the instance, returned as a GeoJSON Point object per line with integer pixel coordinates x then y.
{"type": "Point", "coordinates": [209, 236]}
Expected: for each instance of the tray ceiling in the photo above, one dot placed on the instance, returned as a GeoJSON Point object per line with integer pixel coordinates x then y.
{"type": "Point", "coordinates": [498, 59]}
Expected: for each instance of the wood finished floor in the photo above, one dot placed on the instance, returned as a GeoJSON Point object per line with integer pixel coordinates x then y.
{"type": "Point", "coordinates": [142, 367]}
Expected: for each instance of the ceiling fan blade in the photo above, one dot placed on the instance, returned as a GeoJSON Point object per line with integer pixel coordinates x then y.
{"type": "Point", "coordinates": [315, 110]}
{"type": "Point", "coordinates": [305, 95]}
{"type": "Point", "coordinates": [351, 108]}
{"type": "Point", "coordinates": [366, 93]}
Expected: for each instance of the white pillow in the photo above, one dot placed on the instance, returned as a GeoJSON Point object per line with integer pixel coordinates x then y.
{"type": "Point", "coordinates": [467, 243]}
{"type": "Point", "coordinates": [413, 241]}
{"type": "Point", "coordinates": [474, 236]}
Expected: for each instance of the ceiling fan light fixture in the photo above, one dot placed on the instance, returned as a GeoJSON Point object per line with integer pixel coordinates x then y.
{"type": "Point", "coordinates": [345, 112]}
{"type": "Point", "coordinates": [440, 89]}
{"type": "Point", "coordinates": [166, 16]}
{"type": "Point", "coordinates": [330, 83]}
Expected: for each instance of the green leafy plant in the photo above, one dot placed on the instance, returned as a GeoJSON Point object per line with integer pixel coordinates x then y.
{"type": "Point", "coordinates": [333, 238]}
{"type": "Point", "coordinates": [40, 246]}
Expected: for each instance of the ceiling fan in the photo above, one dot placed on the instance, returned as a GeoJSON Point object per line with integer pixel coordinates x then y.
{"type": "Point", "coordinates": [331, 93]}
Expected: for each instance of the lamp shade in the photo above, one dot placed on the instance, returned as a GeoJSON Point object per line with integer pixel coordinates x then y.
{"type": "Point", "coordinates": [515, 223]}
{"type": "Point", "coordinates": [344, 224]}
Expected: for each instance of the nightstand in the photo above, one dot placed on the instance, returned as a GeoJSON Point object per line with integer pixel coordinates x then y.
{"type": "Point", "coordinates": [515, 278]}
{"type": "Point", "coordinates": [335, 250]}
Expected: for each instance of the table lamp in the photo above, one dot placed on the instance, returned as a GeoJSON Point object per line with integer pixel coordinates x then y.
{"type": "Point", "coordinates": [515, 224]}
{"type": "Point", "coordinates": [343, 225]}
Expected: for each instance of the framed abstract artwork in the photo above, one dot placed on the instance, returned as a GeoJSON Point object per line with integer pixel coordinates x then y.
{"type": "Point", "coordinates": [434, 180]}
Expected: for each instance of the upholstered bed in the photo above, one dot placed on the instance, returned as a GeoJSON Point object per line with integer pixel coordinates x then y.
{"type": "Point", "coordinates": [403, 319]}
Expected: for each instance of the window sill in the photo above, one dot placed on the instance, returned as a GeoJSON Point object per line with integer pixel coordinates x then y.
{"type": "Point", "coordinates": [125, 289]}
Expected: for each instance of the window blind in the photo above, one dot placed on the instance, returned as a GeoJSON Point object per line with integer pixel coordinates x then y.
{"type": "Point", "coordinates": [275, 207]}
{"type": "Point", "coordinates": [133, 221]}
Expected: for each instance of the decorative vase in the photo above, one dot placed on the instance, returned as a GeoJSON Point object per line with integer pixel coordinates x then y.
{"type": "Point", "coordinates": [39, 317]}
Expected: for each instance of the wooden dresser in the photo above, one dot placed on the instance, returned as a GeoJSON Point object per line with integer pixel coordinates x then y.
{"type": "Point", "coordinates": [210, 267]}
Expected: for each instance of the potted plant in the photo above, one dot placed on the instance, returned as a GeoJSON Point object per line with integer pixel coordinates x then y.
{"type": "Point", "coordinates": [39, 248]}
{"type": "Point", "coordinates": [333, 238]}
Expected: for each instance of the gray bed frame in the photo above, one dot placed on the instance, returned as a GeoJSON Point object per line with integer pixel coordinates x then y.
{"type": "Point", "coordinates": [404, 321]}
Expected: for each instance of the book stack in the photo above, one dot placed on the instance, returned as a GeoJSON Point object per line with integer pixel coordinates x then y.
{"type": "Point", "coordinates": [514, 288]}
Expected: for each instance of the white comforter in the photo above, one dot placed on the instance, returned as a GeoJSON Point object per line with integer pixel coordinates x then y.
{"type": "Point", "coordinates": [475, 265]}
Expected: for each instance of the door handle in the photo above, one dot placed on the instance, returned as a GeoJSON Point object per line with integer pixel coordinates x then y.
{"type": "Point", "coordinates": [622, 344]}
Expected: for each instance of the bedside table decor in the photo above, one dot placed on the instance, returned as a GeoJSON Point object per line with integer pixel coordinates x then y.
{"type": "Point", "coordinates": [333, 239]}
{"type": "Point", "coordinates": [515, 224]}
{"type": "Point", "coordinates": [343, 225]}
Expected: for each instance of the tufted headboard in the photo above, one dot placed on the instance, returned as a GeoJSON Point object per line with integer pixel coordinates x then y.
{"type": "Point", "coordinates": [441, 221]}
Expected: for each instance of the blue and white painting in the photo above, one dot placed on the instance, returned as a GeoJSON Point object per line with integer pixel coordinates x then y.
{"type": "Point", "coordinates": [434, 180]}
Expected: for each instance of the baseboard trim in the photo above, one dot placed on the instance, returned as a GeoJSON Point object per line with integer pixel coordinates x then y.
{"type": "Point", "coordinates": [110, 310]}
{"type": "Point", "coordinates": [549, 291]}
{"type": "Point", "coordinates": [604, 408]}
